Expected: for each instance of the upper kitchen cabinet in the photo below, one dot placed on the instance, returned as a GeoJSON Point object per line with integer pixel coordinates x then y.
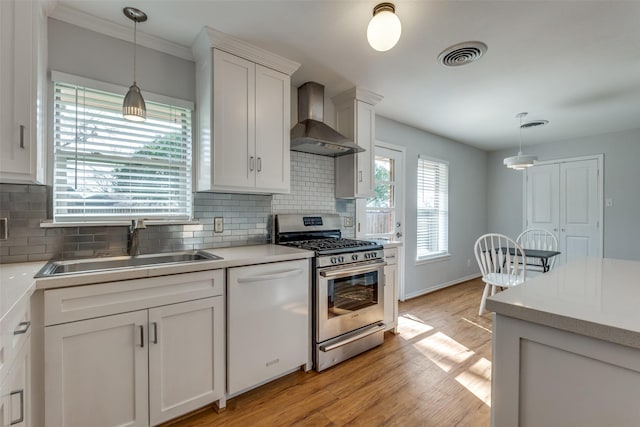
{"type": "Point", "coordinates": [243, 101]}
{"type": "Point", "coordinates": [23, 54]}
{"type": "Point", "coordinates": [356, 119]}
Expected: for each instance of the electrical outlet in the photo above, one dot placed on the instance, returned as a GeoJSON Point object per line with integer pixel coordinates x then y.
{"type": "Point", "coordinates": [348, 221]}
{"type": "Point", "coordinates": [218, 224]}
{"type": "Point", "coordinates": [608, 202]}
{"type": "Point", "coordinates": [4, 228]}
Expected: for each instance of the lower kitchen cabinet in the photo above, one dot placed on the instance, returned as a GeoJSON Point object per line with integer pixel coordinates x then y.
{"type": "Point", "coordinates": [15, 398]}
{"type": "Point", "coordinates": [391, 289]}
{"type": "Point", "coordinates": [136, 368]}
{"type": "Point", "coordinates": [268, 324]}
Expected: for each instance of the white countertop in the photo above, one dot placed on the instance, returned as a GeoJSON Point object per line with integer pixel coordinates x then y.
{"type": "Point", "coordinates": [16, 279]}
{"type": "Point", "coordinates": [594, 297]}
{"type": "Point", "coordinates": [16, 282]}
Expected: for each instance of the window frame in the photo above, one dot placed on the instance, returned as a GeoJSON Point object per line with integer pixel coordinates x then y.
{"type": "Point", "coordinates": [183, 216]}
{"type": "Point", "coordinates": [442, 252]}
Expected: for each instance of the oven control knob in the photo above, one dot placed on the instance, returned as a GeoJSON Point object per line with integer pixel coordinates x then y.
{"type": "Point", "coordinates": [341, 259]}
{"type": "Point", "coordinates": [333, 260]}
{"type": "Point", "coordinates": [354, 257]}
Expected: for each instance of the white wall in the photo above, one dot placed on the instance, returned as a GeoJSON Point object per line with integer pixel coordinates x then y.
{"type": "Point", "coordinates": [85, 53]}
{"type": "Point", "coordinates": [621, 184]}
{"type": "Point", "coordinates": [467, 204]}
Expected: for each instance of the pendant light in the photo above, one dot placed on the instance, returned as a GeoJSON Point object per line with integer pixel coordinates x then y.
{"type": "Point", "coordinates": [384, 28]}
{"type": "Point", "coordinates": [133, 107]}
{"type": "Point", "coordinates": [521, 161]}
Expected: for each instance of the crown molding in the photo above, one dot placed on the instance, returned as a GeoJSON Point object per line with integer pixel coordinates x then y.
{"type": "Point", "coordinates": [87, 21]}
{"type": "Point", "coordinates": [360, 94]}
{"type": "Point", "coordinates": [210, 38]}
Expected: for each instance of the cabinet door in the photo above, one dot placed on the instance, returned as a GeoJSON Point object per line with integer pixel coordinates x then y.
{"type": "Point", "coordinates": [390, 296]}
{"type": "Point", "coordinates": [234, 157]}
{"type": "Point", "coordinates": [268, 330]}
{"type": "Point", "coordinates": [97, 372]}
{"type": "Point", "coordinates": [22, 26]}
{"type": "Point", "coordinates": [272, 130]}
{"type": "Point", "coordinates": [186, 357]}
{"type": "Point", "coordinates": [15, 406]}
{"type": "Point", "coordinates": [365, 136]}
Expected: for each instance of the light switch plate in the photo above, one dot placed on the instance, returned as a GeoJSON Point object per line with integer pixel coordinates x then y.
{"type": "Point", "coordinates": [218, 224]}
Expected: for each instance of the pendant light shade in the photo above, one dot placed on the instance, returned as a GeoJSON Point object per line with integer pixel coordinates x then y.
{"type": "Point", "coordinates": [521, 161]}
{"type": "Point", "coordinates": [133, 107]}
{"type": "Point", "coordinates": [384, 28]}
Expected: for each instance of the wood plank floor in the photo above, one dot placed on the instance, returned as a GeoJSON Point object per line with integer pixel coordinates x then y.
{"type": "Point", "coordinates": [435, 372]}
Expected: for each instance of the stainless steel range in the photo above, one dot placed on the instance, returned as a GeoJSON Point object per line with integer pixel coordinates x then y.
{"type": "Point", "coordinates": [348, 286]}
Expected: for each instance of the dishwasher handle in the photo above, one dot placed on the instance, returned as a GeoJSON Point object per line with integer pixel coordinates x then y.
{"type": "Point", "coordinates": [272, 276]}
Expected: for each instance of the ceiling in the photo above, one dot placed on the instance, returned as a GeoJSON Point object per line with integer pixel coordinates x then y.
{"type": "Point", "coordinates": [574, 63]}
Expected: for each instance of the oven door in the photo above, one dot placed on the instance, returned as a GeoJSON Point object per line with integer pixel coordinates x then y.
{"type": "Point", "coordinates": [348, 298]}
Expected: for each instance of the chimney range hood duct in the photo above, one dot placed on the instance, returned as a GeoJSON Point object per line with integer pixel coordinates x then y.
{"type": "Point", "coordinates": [311, 135]}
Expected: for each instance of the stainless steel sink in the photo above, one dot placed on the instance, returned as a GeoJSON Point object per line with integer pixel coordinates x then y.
{"type": "Point", "coordinates": [57, 268]}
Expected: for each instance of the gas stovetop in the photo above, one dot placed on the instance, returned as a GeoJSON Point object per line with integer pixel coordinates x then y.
{"type": "Point", "coordinates": [333, 245]}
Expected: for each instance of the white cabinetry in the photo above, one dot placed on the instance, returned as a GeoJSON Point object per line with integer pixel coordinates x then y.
{"type": "Point", "coordinates": [356, 119]}
{"type": "Point", "coordinates": [268, 324]}
{"type": "Point", "coordinates": [391, 289]}
{"type": "Point", "coordinates": [243, 98]}
{"type": "Point", "coordinates": [135, 353]}
{"type": "Point", "coordinates": [23, 51]}
{"type": "Point", "coordinates": [15, 366]}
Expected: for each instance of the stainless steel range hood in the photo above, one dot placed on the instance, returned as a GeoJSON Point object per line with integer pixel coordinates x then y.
{"type": "Point", "coordinates": [311, 135]}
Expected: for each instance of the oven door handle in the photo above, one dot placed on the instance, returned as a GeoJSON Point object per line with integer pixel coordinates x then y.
{"type": "Point", "coordinates": [343, 273]}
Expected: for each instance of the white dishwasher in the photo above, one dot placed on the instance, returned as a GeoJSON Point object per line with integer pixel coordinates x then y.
{"type": "Point", "coordinates": [268, 322]}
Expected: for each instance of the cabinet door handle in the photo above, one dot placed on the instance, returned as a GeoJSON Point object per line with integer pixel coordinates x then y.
{"type": "Point", "coordinates": [155, 332]}
{"type": "Point", "coordinates": [21, 393]}
{"type": "Point", "coordinates": [359, 176]}
{"type": "Point", "coordinates": [251, 163]}
{"type": "Point", "coordinates": [23, 327]}
{"type": "Point", "coordinates": [21, 136]}
{"type": "Point", "coordinates": [141, 336]}
{"type": "Point", "coordinates": [259, 164]}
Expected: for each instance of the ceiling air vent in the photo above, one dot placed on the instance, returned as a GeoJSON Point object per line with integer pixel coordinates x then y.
{"type": "Point", "coordinates": [462, 54]}
{"type": "Point", "coordinates": [534, 123]}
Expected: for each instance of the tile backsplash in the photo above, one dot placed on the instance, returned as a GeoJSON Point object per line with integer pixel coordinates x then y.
{"type": "Point", "coordinates": [248, 218]}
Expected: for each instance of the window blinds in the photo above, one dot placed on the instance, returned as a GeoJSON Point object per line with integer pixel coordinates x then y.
{"type": "Point", "coordinates": [107, 168]}
{"type": "Point", "coordinates": [433, 208]}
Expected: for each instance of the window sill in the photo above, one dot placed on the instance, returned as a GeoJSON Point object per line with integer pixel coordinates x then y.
{"type": "Point", "coordinates": [51, 224]}
{"type": "Point", "coordinates": [436, 258]}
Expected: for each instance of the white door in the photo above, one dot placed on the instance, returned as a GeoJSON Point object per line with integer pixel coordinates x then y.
{"type": "Point", "coordinates": [97, 372]}
{"type": "Point", "coordinates": [565, 198]}
{"type": "Point", "coordinates": [382, 216]}
{"type": "Point", "coordinates": [272, 129]}
{"type": "Point", "coordinates": [579, 210]}
{"type": "Point", "coordinates": [186, 342]}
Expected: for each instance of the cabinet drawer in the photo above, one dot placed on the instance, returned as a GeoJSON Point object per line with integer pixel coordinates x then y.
{"type": "Point", "coordinates": [391, 256]}
{"type": "Point", "coordinates": [15, 329]}
{"type": "Point", "coordinates": [85, 302]}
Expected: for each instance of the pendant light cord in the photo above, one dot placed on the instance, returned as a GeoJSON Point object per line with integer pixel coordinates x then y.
{"type": "Point", "coordinates": [135, 44]}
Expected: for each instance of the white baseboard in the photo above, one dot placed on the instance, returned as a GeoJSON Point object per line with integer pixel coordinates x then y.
{"type": "Point", "coordinates": [441, 286]}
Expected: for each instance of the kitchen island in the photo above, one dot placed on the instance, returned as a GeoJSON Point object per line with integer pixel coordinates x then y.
{"type": "Point", "coordinates": [566, 347]}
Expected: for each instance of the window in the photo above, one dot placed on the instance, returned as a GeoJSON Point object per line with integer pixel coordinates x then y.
{"type": "Point", "coordinates": [107, 168]}
{"type": "Point", "coordinates": [433, 208]}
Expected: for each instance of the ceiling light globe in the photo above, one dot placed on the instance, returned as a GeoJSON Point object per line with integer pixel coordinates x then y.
{"type": "Point", "coordinates": [384, 30]}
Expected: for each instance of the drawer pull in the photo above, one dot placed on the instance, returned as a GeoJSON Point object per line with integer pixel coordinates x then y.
{"type": "Point", "coordinates": [21, 136]}
{"type": "Point", "coordinates": [21, 418]}
{"type": "Point", "coordinates": [23, 327]}
{"type": "Point", "coordinates": [141, 336]}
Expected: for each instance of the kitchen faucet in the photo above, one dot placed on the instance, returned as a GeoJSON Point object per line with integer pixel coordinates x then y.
{"type": "Point", "coordinates": [132, 236]}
